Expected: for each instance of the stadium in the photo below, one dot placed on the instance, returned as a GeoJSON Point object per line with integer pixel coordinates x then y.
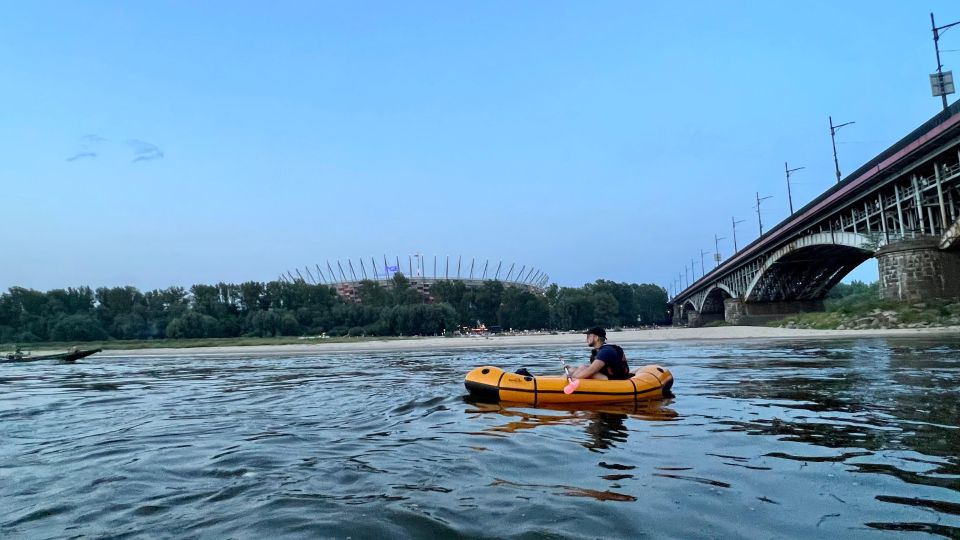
{"type": "Point", "coordinates": [345, 278]}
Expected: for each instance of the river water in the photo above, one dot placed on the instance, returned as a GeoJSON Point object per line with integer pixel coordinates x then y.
{"type": "Point", "coordinates": [851, 439]}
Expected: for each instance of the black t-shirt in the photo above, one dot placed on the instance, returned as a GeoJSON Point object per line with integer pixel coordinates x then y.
{"type": "Point", "coordinates": [615, 362]}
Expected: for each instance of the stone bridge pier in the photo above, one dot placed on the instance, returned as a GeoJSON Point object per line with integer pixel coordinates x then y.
{"type": "Point", "coordinates": [919, 269]}
{"type": "Point", "coordinates": [736, 311]}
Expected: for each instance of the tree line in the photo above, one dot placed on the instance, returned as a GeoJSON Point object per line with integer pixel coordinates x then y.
{"type": "Point", "coordinates": [279, 308]}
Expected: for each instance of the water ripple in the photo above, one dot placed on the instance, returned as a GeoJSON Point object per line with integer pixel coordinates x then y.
{"type": "Point", "coordinates": [853, 437]}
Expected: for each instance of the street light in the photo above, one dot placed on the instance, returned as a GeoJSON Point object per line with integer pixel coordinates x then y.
{"type": "Point", "coordinates": [716, 246]}
{"type": "Point", "coordinates": [759, 198]}
{"type": "Point", "coordinates": [789, 194]}
{"type": "Point", "coordinates": [941, 86]}
{"type": "Point", "coordinates": [833, 139]}
{"type": "Point", "coordinates": [703, 268]}
{"type": "Point", "coordinates": [734, 221]}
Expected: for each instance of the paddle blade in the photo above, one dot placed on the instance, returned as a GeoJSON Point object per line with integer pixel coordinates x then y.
{"type": "Point", "coordinates": [571, 387]}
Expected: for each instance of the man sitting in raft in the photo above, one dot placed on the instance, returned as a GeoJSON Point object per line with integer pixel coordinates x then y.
{"type": "Point", "coordinates": [607, 362]}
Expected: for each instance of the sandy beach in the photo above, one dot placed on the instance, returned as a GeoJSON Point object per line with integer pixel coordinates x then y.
{"type": "Point", "coordinates": [535, 340]}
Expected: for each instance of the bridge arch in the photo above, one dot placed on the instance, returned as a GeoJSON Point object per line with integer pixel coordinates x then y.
{"type": "Point", "coordinates": [808, 267]}
{"type": "Point", "coordinates": [718, 291]}
{"type": "Point", "coordinates": [686, 308]}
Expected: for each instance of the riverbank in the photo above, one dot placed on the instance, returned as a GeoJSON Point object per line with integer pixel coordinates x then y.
{"type": "Point", "coordinates": [870, 314]}
{"type": "Point", "coordinates": [532, 340]}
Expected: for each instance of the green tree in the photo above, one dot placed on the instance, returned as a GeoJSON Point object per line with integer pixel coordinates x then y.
{"type": "Point", "coordinates": [70, 301]}
{"type": "Point", "coordinates": [856, 287]}
{"type": "Point", "coordinates": [455, 294]}
{"type": "Point", "coordinates": [28, 301]}
{"type": "Point", "coordinates": [403, 293]}
{"type": "Point", "coordinates": [252, 296]}
{"type": "Point", "coordinates": [574, 309]}
{"type": "Point", "coordinates": [161, 307]}
{"type": "Point", "coordinates": [129, 326]}
{"type": "Point", "coordinates": [193, 325]}
{"type": "Point", "coordinates": [522, 310]}
{"type": "Point", "coordinates": [373, 294]}
{"type": "Point", "coordinates": [605, 309]}
{"type": "Point", "coordinates": [78, 328]}
{"type": "Point", "coordinates": [419, 319]}
{"type": "Point", "coordinates": [651, 302]}
{"type": "Point", "coordinates": [852, 297]}
{"type": "Point", "coordinates": [112, 301]}
{"type": "Point", "coordinates": [33, 328]}
{"type": "Point", "coordinates": [264, 323]}
{"type": "Point", "coordinates": [487, 300]}
{"type": "Point", "coordinates": [289, 325]}
{"type": "Point", "coordinates": [9, 313]}
{"type": "Point", "coordinates": [206, 300]}
{"type": "Point", "coordinates": [626, 312]}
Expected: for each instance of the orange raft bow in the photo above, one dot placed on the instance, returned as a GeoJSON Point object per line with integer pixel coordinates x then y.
{"type": "Point", "coordinates": [492, 384]}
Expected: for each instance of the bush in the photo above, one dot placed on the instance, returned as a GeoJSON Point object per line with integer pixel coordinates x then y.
{"type": "Point", "coordinates": [192, 325]}
{"type": "Point", "coordinates": [419, 319]}
{"type": "Point", "coordinates": [376, 329]}
{"type": "Point", "coordinates": [263, 323]}
{"type": "Point", "coordinates": [289, 326]}
{"type": "Point", "coordinates": [6, 334]}
{"type": "Point", "coordinates": [26, 337]}
{"type": "Point", "coordinates": [129, 326]}
{"type": "Point", "coordinates": [78, 328]}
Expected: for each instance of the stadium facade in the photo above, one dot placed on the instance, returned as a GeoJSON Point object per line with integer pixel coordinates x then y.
{"type": "Point", "coordinates": [345, 278]}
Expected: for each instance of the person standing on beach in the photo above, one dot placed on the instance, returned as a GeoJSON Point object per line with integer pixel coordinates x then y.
{"type": "Point", "coordinates": [607, 361]}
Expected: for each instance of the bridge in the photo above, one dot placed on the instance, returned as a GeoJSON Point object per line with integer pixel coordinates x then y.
{"type": "Point", "coordinates": [901, 207]}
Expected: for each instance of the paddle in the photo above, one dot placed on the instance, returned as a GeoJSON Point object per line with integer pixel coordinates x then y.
{"type": "Point", "coordinates": [571, 386]}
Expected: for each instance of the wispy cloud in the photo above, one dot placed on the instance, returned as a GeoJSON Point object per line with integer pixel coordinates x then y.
{"type": "Point", "coordinates": [82, 155]}
{"type": "Point", "coordinates": [87, 142]}
{"type": "Point", "coordinates": [91, 138]}
{"type": "Point", "coordinates": [144, 151]}
{"type": "Point", "coordinates": [93, 145]}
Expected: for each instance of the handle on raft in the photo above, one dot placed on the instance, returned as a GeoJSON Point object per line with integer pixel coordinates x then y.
{"type": "Point", "coordinates": [572, 385]}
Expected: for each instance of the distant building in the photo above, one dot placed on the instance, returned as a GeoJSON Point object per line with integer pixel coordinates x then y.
{"type": "Point", "coordinates": [347, 278]}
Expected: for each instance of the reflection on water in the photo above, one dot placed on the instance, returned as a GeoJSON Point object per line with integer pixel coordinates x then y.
{"type": "Point", "coordinates": [572, 491]}
{"type": "Point", "coordinates": [852, 438]}
{"type": "Point", "coordinates": [604, 424]}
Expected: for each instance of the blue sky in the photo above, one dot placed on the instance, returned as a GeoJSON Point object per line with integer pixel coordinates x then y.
{"type": "Point", "coordinates": [158, 144]}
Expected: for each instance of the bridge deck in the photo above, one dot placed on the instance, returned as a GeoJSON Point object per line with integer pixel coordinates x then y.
{"type": "Point", "coordinates": [833, 207]}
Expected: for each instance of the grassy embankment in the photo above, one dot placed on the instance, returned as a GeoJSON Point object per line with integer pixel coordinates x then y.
{"type": "Point", "coordinates": [869, 312]}
{"type": "Point", "coordinates": [187, 343]}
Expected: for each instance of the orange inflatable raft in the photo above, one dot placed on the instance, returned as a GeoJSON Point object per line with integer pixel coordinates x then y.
{"type": "Point", "coordinates": [492, 384]}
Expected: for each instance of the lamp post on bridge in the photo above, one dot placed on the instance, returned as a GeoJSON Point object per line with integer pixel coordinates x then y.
{"type": "Point", "coordinates": [789, 193]}
{"type": "Point", "coordinates": [703, 267]}
{"type": "Point", "coordinates": [941, 85]}
{"type": "Point", "coordinates": [693, 269]}
{"type": "Point", "coordinates": [716, 246]}
{"type": "Point", "coordinates": [734, 221]}
{"type": "Point", "coordinates": [760, 221]}
{"type": "Point", "coordinates": [833, 139]}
